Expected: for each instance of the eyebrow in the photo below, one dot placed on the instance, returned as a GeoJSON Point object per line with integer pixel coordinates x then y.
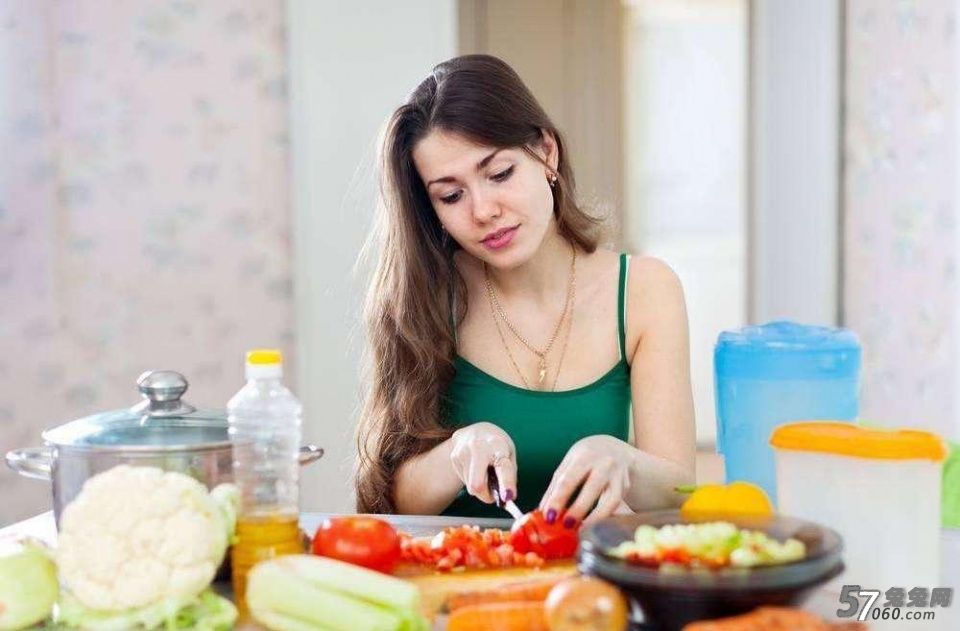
{"type": "Point", "coordinates": [480, 165]}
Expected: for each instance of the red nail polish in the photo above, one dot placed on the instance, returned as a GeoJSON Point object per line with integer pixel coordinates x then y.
{"type": "Point", "coordinates": [551, 516]}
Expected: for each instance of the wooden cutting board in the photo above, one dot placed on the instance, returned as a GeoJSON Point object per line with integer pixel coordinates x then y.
{"type": "Point", "coordinates": [437, 587]}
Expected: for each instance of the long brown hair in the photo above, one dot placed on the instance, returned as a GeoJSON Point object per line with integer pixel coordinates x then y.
{"type": "Point", "coordinates": [416, 293]}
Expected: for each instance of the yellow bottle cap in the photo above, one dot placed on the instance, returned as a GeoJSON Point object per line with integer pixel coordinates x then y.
{"type": "Point", "coordinates": [264, 356]}
{"type": "Point", "coordinates": [848, 439]}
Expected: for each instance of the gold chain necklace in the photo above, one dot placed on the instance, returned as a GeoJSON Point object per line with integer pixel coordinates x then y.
{"type": "Point", "coordinates": [497, 310]}
{"type": "Point", "coordinates": [566, 338]}
{"type": "Point", "coordinates": [563, 349]}
{"type": "Point", "coordinates": [507, 348]}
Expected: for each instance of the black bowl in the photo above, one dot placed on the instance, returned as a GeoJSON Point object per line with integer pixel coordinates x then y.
{"type": "Point", "coordinates": [671, 599]}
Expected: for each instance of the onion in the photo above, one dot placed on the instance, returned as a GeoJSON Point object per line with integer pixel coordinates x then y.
{"type": "Point", "coordinates": [585, 603]}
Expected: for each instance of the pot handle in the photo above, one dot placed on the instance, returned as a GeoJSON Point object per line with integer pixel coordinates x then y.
{"type": "Point", "coordinates": [31, 462]}
{"type": "Point", "coordinates": [310, 453]}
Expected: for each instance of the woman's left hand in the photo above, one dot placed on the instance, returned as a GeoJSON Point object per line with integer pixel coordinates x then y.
{"type": "Point", "coordinates": [602, 465]}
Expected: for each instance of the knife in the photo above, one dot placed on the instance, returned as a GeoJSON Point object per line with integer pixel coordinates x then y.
{"type": "Point", "coordinates": [494, 486]}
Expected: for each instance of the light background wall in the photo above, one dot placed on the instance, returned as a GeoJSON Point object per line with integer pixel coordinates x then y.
{"type": "Point", "coordinates": [144, 206]}
{"type": "Point", "coordinates": [900, 198]}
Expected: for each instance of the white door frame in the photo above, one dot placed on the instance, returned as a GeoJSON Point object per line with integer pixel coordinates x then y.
{"type": "Point", "coordinates": [795, 213]}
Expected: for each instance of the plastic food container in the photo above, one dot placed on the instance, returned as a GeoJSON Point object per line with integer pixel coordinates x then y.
{"type": "Point", "coordinates": [773, 374]}
{"type": "Point", "coordinates": [880, 489]}
{"type": "Point", "coordinates": [950, 556]}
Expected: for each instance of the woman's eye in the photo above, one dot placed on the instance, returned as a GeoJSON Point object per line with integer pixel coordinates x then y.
{"type": "Point", "coordinates": [452, 198]}
{"type": "Point", "coordinates": [502, 175]}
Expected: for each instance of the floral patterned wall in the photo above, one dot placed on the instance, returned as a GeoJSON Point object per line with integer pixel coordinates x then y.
{"type": "Point", "coordinates": [144, 206]}
{"type": "Point", "coordinates": [901, 209]}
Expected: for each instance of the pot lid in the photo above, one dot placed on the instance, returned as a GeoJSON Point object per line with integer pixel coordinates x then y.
{"type": "Point", "coordinates": [161, 420]}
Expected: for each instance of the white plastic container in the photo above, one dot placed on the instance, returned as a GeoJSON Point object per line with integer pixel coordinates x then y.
{"type": "Point", "coordinates": [950, 556]}
{"type": "Point", "coordinates": [879, 489]}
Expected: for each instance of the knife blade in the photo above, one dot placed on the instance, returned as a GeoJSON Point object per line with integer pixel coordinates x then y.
{"type": "Point", "coordinates": [494, 486]}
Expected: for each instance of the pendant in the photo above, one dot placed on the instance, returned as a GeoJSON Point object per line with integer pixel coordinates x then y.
{"type": "Point", "coordinates": [543, 371]}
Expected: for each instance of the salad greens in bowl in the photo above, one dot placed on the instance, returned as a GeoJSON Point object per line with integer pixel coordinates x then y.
{"type": "Point", "coordinates": [679, 569]}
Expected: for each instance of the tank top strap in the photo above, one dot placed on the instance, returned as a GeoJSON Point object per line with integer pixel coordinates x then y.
{"type": "Point", "coordinates": [622, 305]}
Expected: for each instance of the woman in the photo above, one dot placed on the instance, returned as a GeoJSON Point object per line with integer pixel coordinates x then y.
{"type": "Point", "coordinates": [502, 338]}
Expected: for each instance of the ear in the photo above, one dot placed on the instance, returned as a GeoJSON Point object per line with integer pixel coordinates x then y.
{"type": "Point", "coordinates": [550, 149]}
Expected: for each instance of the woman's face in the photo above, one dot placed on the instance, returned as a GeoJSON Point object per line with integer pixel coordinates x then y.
{"type": "Point", "coordinates": [497, 204]}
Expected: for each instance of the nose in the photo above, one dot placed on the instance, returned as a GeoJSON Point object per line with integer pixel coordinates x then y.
{"type": "Point", "coordinates": [485, 207]}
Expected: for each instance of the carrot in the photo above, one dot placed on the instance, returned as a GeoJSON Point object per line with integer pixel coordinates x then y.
{"type": "Point", "coordinates": [535, 591]}
{"type": "Point", "coordinates": [510, 616]}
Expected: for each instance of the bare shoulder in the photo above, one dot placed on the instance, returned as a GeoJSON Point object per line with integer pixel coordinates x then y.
{"type": "Point", "coordinates": [648, 273]}
{"type": "Point", "coordinates": [654, 299]}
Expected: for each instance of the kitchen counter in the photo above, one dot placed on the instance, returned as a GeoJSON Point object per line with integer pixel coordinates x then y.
{"type": "Point", "coordinates": [824, 603]}
{"type": "Point", "coordinates": [43, 527]}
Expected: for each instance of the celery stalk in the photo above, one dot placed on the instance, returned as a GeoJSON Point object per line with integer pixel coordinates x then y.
{"type": "Point", "coordinates": [352, 580]}
{"type": "Point", "coordinates": [275, 587]}
{"type": "Point", "coordinates": [279, 622]}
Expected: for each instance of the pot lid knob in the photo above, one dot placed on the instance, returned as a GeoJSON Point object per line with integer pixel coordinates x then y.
{"type": "Point", "coordinates": [162, 390]}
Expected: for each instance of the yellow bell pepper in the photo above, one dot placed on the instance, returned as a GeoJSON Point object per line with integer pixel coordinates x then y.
{"type": "Point", "coordinates": [736, 498]}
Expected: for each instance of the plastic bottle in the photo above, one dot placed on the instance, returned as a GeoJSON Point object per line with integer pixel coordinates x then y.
{"type": "Point", "coordinates": [264, 420]}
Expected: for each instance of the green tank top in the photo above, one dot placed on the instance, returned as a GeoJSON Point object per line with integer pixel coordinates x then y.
{"type": "Point", "coordinates": [543, 425]}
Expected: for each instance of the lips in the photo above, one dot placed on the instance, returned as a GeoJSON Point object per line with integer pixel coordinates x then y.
{"type": "Point", "coordinates": [500, 238]}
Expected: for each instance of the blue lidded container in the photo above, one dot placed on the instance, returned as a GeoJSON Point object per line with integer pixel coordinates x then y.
{"type": "Point", "coordinates": [775, 373]}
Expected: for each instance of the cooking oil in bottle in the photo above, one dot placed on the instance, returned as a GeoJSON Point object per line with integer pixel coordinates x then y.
{"type": "Point", "coordinates": [259, 538]}
{"type": "Point", "coordinates": [264, 421]}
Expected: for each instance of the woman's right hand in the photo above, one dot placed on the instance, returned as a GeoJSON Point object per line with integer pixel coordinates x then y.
{"type": "Point", "coordinates": [477, 447]}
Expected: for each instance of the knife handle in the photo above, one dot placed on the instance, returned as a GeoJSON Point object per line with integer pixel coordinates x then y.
{"type": "Point", "coordinates": [493, 484]}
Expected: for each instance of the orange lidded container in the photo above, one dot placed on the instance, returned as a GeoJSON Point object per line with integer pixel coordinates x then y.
{"type": "Point", "coordinates": [879, 488]}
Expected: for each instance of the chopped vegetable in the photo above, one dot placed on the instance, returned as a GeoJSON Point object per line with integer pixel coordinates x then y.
{"type": "Point", "coordinates": [521, 616]}
{"type": "Point", "coordinates": [304, 592]}
{"type": "Point", "coordinates": [361, 540]}
{"type": "Point", "coordinates": [532, 533]}
{"type": "Point", "coordinates": [710, 545]}
{"type": "Point", "coordinates": [584, 603]}
{"type": "Point", "coordinates": [736, 498]}
{"type": "Point", "coordinates": [139, 544]}
{"type": "Point", "coordinates": [467, 547]}
{"type": "Point", "coordinates": [28, 586]}
{"type": "Point", "coordinates": [527, 591]}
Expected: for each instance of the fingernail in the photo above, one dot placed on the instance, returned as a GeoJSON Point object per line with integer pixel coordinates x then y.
{"type": "Point", "coordinates": [551, 516]}
{"type": "Point", "coordinates": [508, 496]}
{"type": "Point", "coordinates": [569, 522]}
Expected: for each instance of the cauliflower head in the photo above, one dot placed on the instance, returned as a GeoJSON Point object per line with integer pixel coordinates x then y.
{"type": "Point", "coordinates": [138, 535]}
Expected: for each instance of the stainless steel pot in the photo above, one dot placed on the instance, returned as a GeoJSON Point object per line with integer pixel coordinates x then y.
{"type": "Point", "coordinates": [162, 431]}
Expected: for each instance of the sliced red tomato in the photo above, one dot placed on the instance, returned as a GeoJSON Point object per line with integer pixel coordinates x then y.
{"type": "Point", "coordinates": [361, 540]}
{"type": "Point", "coordinates": [466, 547]}
{"type": "Point", "coordinates": [532, 533]}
